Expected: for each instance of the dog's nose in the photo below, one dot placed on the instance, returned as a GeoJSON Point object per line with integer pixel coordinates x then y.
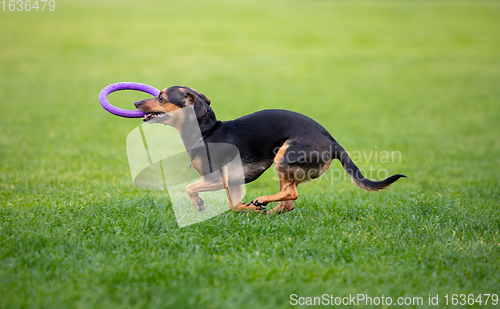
{"type": "Point", "coordinates": [137, 103]}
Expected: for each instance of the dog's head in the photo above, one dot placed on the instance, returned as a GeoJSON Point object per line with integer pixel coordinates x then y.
{"type": "Point", "coordinates": [159, 109]}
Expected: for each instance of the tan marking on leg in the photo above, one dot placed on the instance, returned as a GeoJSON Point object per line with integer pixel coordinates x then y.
{"type": "Point", "coordinates": [289, 192]}
{"type": "Point", "coordinates": [288, 186]}
{"type": "Point", "coordinates": [283, 206]}
{"type": "Point", "coordinates": [196, 163]}
{"type": "Point", "coordinates": [281, 153]}
{"type": "Point", "coordinates": [240, 207]}
{"type": "Point", "coordinates": [225, 180]}
{"type": "Point", "coordinates": [288, 189]}
{"type": "Point", "coordinates": [201, 185]}
{"type": "Point", "coordinates": [234, 195]}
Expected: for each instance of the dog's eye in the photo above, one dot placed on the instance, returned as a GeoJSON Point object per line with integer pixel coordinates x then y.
{"type": "Point", "coordinates": [160, 98]}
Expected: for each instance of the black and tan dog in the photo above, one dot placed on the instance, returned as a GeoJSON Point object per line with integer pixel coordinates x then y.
{"type": "Point", "coordinates": [300, 148]}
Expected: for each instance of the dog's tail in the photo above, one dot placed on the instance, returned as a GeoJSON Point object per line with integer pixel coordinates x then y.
{"type": "Point", "coordinates": [356, 175]}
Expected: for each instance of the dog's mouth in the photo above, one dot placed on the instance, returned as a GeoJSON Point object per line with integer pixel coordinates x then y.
{"type": "Point", "coordinates": [155, 115]}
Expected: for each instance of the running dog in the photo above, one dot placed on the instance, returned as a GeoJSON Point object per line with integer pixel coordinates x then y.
{"type": "Point", "coordinates": [300, 148]}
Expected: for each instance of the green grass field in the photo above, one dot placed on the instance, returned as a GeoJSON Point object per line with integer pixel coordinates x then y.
{"type": "Point", "coordinates": [416, 78]}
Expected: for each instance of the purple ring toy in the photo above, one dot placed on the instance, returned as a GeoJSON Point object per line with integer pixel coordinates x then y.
{"type": "Point", "coordinates": [103, 98]}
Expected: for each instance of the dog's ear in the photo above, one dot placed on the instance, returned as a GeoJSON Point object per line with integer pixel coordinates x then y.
{"type": "Point", "coordinates": [201, 95]}
{"type": "Point", "coordinates": [199, 107]}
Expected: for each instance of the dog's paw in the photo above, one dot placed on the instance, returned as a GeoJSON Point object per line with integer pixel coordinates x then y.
{"type": "Point", "coordinates": [199, 204]}
{"type": "Point", "coordinates": [257, 203]}
{"type": "Point", "coordinates": [252, 207]}
{"type": "Point", "coordinates": [259, 207]}
{"type": "Point", "coordinates": [200, 207]}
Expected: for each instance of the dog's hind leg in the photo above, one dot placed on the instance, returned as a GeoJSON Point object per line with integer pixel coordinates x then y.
{"type": "Point", "coordinates": [287, 195]}
{"type": "Point", "coordinates": [283, 206]}
{"type": "Point", "coordinates": [288, 187]}
{"type": "Point", "coordinates": [295, 163]}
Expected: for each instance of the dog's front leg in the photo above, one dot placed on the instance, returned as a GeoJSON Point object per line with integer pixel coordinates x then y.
{"type": "Point", "coordinates": [234, 194]}
{"type": "Point", "coordinates": [202, 185]}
